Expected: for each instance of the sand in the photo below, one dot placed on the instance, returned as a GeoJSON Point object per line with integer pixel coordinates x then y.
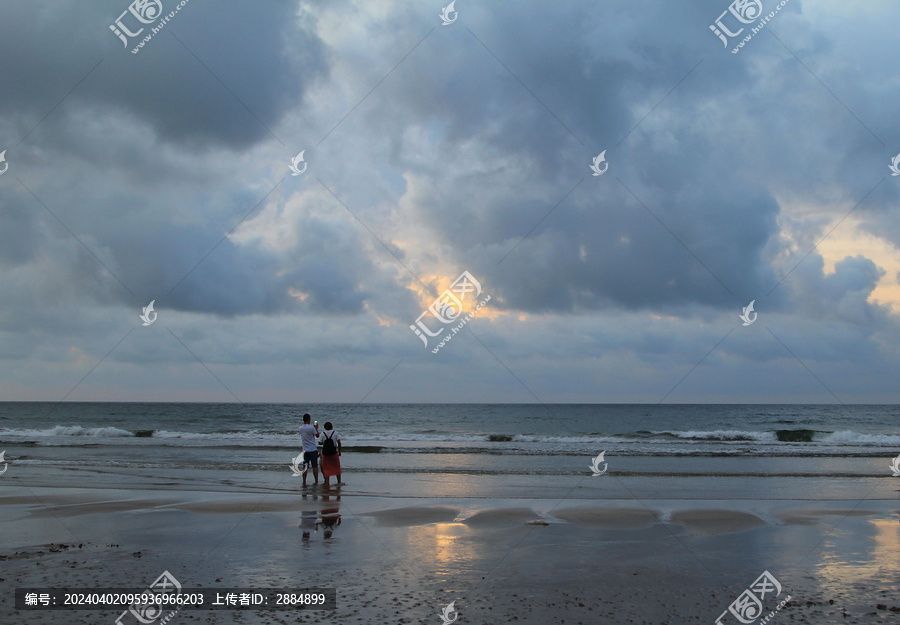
{"type": "Point", "coordinates": [502, 517]}
{"type": "Point", "coordinates": [395, 558]}
{"type": "Point", "coordinates": [608, 518]}
{"type": "Point", "coordinates": [712, 522]}
{"type": "Point", "coordinates": [415, 515]}
{"type": "Point", "coordinates": [812, 516]}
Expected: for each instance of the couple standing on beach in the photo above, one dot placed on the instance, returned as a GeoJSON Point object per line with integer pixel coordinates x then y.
{"type": "Point", "coordinates": [331, 452]}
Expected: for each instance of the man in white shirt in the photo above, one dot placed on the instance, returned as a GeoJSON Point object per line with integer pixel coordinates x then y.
{"type": "Point", "coordinates": [308, 436]}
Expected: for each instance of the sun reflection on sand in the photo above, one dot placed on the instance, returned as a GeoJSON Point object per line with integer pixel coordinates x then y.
{"type": "Point", "coordinates": [870, 555]}
{"type": "Point", "coordinates": [441, 545]}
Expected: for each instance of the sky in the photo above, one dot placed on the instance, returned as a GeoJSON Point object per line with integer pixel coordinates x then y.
{"type": "Point", "coordinates": [729, 175]}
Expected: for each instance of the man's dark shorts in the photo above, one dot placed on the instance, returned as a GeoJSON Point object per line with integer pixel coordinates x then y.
{"type": "Point", "coordinates": [311, 457]}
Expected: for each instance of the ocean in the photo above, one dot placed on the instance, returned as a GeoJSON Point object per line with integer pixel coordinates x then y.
{"type": "Point", "coordinates": [454, 437]}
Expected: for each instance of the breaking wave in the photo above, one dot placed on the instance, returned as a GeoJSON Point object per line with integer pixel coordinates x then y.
{"type": "Point", "coordinates": [77, 434]}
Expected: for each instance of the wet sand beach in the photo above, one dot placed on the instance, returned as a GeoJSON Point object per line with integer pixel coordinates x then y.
{"type": "Point", "coordinates": [551, 557]}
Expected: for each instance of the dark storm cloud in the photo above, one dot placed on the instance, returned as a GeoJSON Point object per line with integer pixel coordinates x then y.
{"type": "Point", "coordinates": [687, 161]}
{"type": "Point", "coordinates": [20, 233]}
{"type": "Point", "coordinates": [710, 161]}
{"type": "Point", "coordinates": [164, 85]}
{"type": "Point", "coordinates": [138, 171]}
{"type": "Point", "coordinates": [449, 162]}
{"type": "Point", "coordinates": [842, 296]}
{"type": "Point", "coordinates": [193, 265]}
{"type": "Point", "coordinates": [601, 247]}
{"type": "Point", "coordinates": [323, 266]}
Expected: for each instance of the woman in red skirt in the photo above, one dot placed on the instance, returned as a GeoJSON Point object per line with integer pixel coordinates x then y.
{"type": "Point", "coordinates": [331, 455]}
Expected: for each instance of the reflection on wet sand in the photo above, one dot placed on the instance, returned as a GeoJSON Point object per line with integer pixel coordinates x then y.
{"type": "Point", "coordinates": [331, 515]}
{"type": "Point", "coordinates": [443, 546]}
{"type": "Point", "coordinates": [854, 557]}
{"type": "Point", "coordinates": [327, 516]}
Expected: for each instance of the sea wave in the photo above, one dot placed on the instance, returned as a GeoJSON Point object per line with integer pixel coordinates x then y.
{"type": "Point", "coordinates": [816, 468]}
{"type": "Point", "coordinates": [720, 435]}
{"type": "Point", "coordinates": [68, 430]}
{"type": "Point", "coordinates": [855, 438]}
{"type": "Point", "coordinates": [77, 435]}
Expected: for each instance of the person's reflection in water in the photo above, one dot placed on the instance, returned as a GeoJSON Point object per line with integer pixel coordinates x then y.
{"type": "Point", "coordinates": [331, 515]}
{"type": "Point", "coordinates": [308, 520]}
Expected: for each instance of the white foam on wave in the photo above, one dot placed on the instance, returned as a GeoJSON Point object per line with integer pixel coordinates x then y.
{"type": "Point", "coordinates": [249, 434]}
{"type": "Point", "coordinates": [72, 433]}
{"type": "Point", "coordinates": [724, 435]}
{"type": "Point", "coordinates": [849, 437]}
{"type": "Point", "coordinates": [425, 438]}
{"type": "Point", "coordinates": [67, 430]}
{"type": "Point", "coordinates": [483, 438]}
{"type": "Point", "coordinates": [566, 439]}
